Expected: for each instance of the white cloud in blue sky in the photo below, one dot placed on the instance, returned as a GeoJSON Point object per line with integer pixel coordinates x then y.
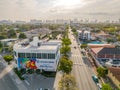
{"type": "Point", "coordinates": [50, 9]}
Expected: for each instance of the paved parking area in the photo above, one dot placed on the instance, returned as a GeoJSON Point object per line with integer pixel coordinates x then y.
{"type": "Point", "coordinates": [35, 81]}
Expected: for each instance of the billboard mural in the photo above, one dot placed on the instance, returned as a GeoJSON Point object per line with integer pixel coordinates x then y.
{"type": "Point", "coordinates": [32, 63]}
{"type": "Point", "coordinates": [27, 63]}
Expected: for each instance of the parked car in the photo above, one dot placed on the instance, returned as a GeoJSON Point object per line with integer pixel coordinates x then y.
{"type": "Point", "coordinates": [42, 89]}
{"type": "Point", "coordinates": [99, 86]}
{"type": "Point", "coordinates": [95, 79]}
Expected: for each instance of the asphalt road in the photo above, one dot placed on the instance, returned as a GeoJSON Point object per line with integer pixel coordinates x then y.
{"type": "Point", "coordinates": [82, 69]}
{"type": "Point", "coordinates": [6, 82]}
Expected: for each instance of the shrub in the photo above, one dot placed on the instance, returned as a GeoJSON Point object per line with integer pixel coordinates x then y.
{"type": "Point", "coordinates": [83, 45]}
{"type": "Point", "coordinates": [30, 71]}
{"type": "Point", "coordinates": [48, 74]}
{"type": "Point", "coordinates": [23, 71]}
{"type": "Point", "coordinates": [18, 73]}
{"type": "Point", "coordinates": [37, 71]}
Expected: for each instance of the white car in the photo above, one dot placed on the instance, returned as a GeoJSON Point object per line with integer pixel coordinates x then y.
{"type": "Point", "coordinates": [99, 86]}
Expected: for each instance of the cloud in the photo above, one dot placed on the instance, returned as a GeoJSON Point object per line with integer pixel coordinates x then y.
{"type": "Point", "coordinates": [43, 9]}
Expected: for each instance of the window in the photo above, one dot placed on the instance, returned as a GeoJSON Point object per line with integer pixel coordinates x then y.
{"type": "Point", "coordinates": [33, 55]}
{"type": "Point", "coordinates": [39, 55]}
{"type": "Point", "coordinates": [21, 55]}
{"type": "Point", "coordinates": [44, 55]}
{"type": "Point", "coordinates": [51, 56]}
{"type": "Point", "coordinates": [28, 55]}
{"type": "Point", "coordinates": [48, 55]}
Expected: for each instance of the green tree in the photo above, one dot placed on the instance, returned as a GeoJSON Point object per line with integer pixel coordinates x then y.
{"type": "Point", "coordinates": [65, 50]}
{"type": "Point", "coordinates": [22, 36]}
{"type": "Point", "coordinates": [2, 37]}
{"type": "Point", "coordinates": [11, 34]}
{"type": "Point", "coordinates": [74, 30]}
{"type": "Point", "coordinates": [109, 40]}
{"type": "Point", "coordinates": [83, 46]}
{"type": "Point", "coordinates": [53, 27]}
{"type": "Point", "coordinates": [102, 72]}
{"type": "Point", "coordinates": [66, 41]}
{"type": "Point", "coordinates": [75, 33]}
{"type": "Point", "coordinates": [65, 65]}
{"type": "Point", "coordinates": [106, 87]}
{"type": "Point", "coordinates": [8, 58]}
{"type": "Point", "coordinates": [1, 45]}
{"type": "Point", "coordinates": [118, 37]}
{"type": "Point", "coordinates": [67, 82]}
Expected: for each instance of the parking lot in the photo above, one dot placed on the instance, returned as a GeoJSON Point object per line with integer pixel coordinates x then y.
{"type": "Point", "coordinates": [35, 81]}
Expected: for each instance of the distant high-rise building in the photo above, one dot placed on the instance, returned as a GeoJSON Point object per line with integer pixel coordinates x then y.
{"type": "Point", "coordinates": [34, 21]}
{"type": "Point", "coordinates": [20, 22]}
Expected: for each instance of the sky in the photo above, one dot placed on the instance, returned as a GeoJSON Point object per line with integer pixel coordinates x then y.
{"type": "Point", "coordinates": [59, 9]}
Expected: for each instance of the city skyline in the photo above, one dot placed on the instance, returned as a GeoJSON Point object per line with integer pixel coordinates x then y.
{"type": "Point", "coordinates": [59, 9]}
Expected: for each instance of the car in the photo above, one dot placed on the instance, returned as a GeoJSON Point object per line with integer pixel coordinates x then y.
{"type": "Point", "coordinates": [75, 47]}
{"type": "Point", "coordinates": [39, 89]}
{"type": "Point", "coordinates": [99, 86]}
{"type": "Point", "coordinates": [42, 89]}
{"type": "Point", "coordinates": [46, 89]}
{"type": "Point", "coordinates": [95, 79]}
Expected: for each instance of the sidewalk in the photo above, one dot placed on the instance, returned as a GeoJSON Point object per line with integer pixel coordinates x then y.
{"type": "Point", "coordinates": [57, 79]}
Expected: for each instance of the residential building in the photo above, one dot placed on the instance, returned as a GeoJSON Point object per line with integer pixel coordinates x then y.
{"type": "Point", "coordinates": [8, 41]}
{"type": "Point", "coordinates": [102, 36]}
{"type": "Point", "coordinates": [38, 54]}
{"type": "Point", "coordinates": [106, 53]}
{"type": "Point", "coordinates": [114, 74]}
{"type": "Point", "coordinates": [84, 35]}
{"type": "Point", "coordinates": [37, 32]}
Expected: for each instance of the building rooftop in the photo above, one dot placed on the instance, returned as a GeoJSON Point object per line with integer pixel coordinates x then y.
{"type": "Point", "coordinates": [100, 45]}
{"type": "Point", "coordinates": [96, 50]}
{"type": "Point", "coordinates": [109, 51]}
{"type": "Point", "coordinates": [8, 40]}
{"type": "Point", "coordinates": [84, 31]}
{"type": "Point", "coordinates": [37, 44]}
{"type": "Point", "coordinates": [116, 72]}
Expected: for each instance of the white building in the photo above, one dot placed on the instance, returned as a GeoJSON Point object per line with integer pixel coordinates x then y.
{"type": "Point", "coordinates": [37, 54]}
{"type": "Point", "coordinates": [84, 35]}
